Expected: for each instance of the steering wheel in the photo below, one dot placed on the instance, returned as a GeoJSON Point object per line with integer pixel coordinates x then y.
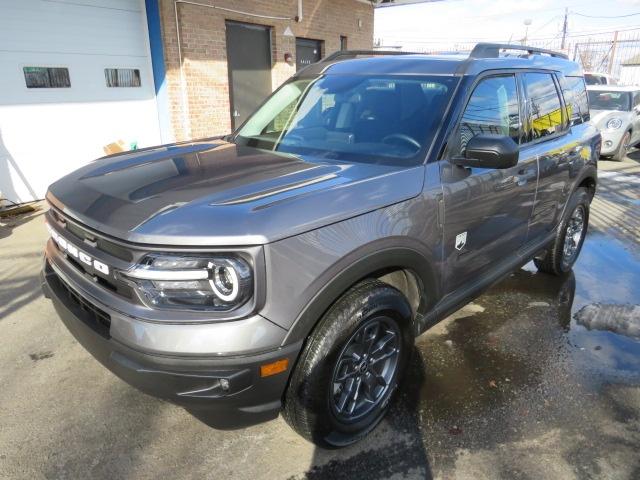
{"type": "Point", "coordinates": [293, 138]}
{"type": "Point", "coordinates": [405, 138]}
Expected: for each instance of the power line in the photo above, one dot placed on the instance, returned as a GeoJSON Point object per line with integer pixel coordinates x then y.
{"type": "Point", "coordinates": [604, 16]}
{"type": "Point", "coordinates": [484, 39]}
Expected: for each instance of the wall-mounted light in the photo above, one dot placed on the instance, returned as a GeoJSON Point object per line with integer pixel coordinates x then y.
{"type": "Point", "coordinates": [288, 58]}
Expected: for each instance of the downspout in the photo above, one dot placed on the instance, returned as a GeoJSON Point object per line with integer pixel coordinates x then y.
{"type": "Point", "coordinates": [186, 118]}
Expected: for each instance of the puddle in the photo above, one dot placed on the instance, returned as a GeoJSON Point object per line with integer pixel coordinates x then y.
{"type": "Point", "coordinates": [534, 338]}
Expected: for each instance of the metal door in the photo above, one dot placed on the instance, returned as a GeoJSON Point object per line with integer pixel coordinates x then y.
{"type": "Point", "coordinates": [307, 52]}
{"type": "Point", "coordinates": [249, 63]}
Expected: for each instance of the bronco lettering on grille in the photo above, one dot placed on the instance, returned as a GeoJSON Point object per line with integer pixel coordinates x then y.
{"type": "Point", "coordinates": [76, 253]}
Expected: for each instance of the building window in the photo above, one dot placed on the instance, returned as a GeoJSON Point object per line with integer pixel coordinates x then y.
{"type": "Point", "coordinates": [122, 77]}
{"type": "Point", "coordinates": [343, 42]}
{"type": "Point", "coordinates": [46, 77]}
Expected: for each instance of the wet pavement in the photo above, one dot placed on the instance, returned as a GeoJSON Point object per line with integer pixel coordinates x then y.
{"type": "Point", "coordinates": [538, 378]}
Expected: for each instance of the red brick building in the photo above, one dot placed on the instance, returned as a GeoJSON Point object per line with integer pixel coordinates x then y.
{"type": "Point", "coordinates": [222, 57]}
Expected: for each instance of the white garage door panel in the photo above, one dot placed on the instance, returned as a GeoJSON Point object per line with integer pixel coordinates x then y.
{"type": "Point", "coordinates": [46, 133]}
{"type": "Point", "coordinates": [45, 142]}
{"type": "Point", "coordinates": [27, 23]}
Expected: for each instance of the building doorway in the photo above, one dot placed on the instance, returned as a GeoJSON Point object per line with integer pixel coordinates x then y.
{"type": "Point", "coordinates": [249, 63]}
{"type": "Point", "coordinates": [307, 52]}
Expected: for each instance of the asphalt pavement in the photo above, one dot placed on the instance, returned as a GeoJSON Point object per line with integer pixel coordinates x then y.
{"type": "Point", "coordinates": [539, 378]}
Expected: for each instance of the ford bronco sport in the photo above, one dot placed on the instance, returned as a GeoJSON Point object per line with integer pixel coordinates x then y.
{"type": "Point", "coordinates": [288, 267]}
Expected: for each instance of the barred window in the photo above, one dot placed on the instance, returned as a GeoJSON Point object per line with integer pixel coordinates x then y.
{"type": "Point", "coordinates": [122, 77]}
{"type": "Point", "coordinates": [46, 77]}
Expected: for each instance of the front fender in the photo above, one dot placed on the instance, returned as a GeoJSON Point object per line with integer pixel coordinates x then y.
{"type": "Point", "coordinates": [387, 253]}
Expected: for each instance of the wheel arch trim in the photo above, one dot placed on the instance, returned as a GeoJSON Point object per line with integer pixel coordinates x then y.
{"type": "Point", "coordinates": [376, 257]}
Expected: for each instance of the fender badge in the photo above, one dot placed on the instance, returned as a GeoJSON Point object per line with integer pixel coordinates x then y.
{"type": "Point", "coordinates": [461, 240]}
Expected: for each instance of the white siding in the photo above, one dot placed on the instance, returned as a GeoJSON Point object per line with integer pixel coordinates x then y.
{"type": "Point", "coordinates": [45, 133]}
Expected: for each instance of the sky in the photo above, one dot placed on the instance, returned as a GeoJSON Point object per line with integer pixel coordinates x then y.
{"type": "Point", "coordinates": [442, 25]}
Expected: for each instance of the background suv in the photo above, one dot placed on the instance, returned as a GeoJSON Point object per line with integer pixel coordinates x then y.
{"type": "Point", "coordinates": [289, 266]}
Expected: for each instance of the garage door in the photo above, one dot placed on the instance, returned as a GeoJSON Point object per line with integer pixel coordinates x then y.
{"type": "Point", "coordinates": [74, 76]}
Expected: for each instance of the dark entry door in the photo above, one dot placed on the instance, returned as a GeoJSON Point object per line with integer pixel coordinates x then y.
{"type": "Point", "coordinates": [249, 62]}
{"type": "Point", "coordinates": [307, 52]}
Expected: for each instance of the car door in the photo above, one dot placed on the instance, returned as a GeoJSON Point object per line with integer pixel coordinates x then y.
{"type": "Point", "coordinates": [556, 143]}
{"type": "Point", "coordinates": [486, 210]}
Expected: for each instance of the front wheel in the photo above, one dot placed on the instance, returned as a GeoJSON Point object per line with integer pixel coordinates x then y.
{"type": "Point", "coordinates": [563, 252]}
{"type": "Point", "coordinates": [351, 365]}
{"type": "Point", "coordinates": [623, 148]}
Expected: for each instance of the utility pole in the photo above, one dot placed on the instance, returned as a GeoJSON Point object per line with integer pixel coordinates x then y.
{"type": "Point", "coordinates": [613, 51]}
{"type": "Point", "coordinates": [564, 27]}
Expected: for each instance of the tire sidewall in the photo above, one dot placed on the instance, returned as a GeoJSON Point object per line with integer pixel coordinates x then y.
{"type": "Point", "coordinates": [579, 198]}
{"type": "Point", "coordinates": [320, 357]}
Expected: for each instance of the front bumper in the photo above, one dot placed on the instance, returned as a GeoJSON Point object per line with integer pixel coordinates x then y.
{"type": "Point", "coordinates": [611, 141]}
{"type": "Point", "coordinates": [223, 391]}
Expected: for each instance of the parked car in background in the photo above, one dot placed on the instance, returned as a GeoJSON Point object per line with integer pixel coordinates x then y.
{"type": "Point", "coordinates": [615, 111]}
{"type": "Point", "coordinates": [597, 78]}
{"type": "Point", "coordinates": [290, 265]}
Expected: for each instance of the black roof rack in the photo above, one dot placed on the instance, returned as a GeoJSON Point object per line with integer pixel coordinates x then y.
{"type": "Point", "coordinates": [492, 50]}
{"type": "Point", "coordinates": [364, 53]}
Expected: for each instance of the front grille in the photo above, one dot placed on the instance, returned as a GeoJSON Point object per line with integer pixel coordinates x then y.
{"type": "Point", "coordinates": [92, 316]}
{"type": "Point", "coordinates": [112, 285]}
{"type": "Point", "coordinates": [84, 235]}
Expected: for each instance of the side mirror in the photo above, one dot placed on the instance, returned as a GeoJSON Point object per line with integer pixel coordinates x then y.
{"type": "Point", "coordinates": [636, 109]}
{"type": "Point", "coordinates": [489, 150]}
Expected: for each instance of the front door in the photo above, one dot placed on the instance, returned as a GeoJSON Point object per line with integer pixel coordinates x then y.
{"type": "Point", "coordinates": [307, 52]}
{"type": "Point", "coordinates": [249, 63]}
{"type": "Point", "coordinates": [486, 210]}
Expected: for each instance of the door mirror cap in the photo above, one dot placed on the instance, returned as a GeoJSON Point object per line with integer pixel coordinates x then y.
{"type": "Point", "coordinates": [489, 150]}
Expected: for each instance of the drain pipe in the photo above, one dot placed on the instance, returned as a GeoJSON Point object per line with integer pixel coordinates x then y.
{"type": "Point", "coordinates": [186, 118]}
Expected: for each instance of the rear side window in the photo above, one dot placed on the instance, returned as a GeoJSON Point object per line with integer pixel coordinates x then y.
{"type": "Point", "coordinates": [575, 97]}
{"type": "Point", "coordinates": [545, 111]}
{"type": "Point", "coordinates": [492, 108]}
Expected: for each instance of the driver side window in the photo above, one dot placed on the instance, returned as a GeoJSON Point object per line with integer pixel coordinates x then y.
{"type": "Point", "coordinates": [492, 108]}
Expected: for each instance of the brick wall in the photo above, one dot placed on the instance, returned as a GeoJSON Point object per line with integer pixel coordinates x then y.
{"type": "Point", "coordinates": [201, 108]}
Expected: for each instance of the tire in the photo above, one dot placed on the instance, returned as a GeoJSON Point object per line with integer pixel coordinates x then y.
{"type": "Point", "coordinates": [313, 397]}
{"type": "Point", "coordinates": [557, 260]}
{"type": "Point", "coordinates": [621, 152]}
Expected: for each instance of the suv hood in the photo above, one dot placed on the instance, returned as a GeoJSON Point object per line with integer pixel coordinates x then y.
{"type": "Point", "coordinates": [217, 193]}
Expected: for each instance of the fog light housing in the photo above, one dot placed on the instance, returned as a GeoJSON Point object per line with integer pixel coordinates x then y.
{"type": "Point", "coordinates": [608, 143]}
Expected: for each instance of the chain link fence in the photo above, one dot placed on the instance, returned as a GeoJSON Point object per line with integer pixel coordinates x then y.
{"type": "Point", "coordinates": [615, 53]}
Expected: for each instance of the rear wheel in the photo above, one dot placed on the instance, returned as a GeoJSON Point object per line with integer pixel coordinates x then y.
{"type": "Point", "coordinates": [563, 252]}
{"type": "Point", "coordinates": [351, 365]}
{"type": "Point", "coordinates": [623, 148]}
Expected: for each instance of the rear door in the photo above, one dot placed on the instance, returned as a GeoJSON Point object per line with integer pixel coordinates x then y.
{"type": "Point", "coordinates": [487, 211]}
{"type": "Point", "coordinates": [556, 144]}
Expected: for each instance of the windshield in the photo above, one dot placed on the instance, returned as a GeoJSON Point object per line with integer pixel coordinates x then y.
{"type": "Point", "coordinates": [386, 119]}
{"type": "Point", "coordinates": [601, 100]}
{"type": "Point", "coordinates": [594, 79]}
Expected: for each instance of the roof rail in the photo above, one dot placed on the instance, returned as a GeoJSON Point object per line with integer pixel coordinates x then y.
{"type": "Point", "coordinates": [369, 53]}
{"type": "Point", "coordinates": [492, 50]}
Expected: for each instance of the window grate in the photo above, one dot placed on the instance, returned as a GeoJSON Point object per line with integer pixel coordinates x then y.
{"type": "Point", "coordinates": [122, 77]}
{"type": "Point", "coordinates": [46, 77]}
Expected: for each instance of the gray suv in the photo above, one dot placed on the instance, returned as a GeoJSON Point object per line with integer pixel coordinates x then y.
{"type": "Point", "coordinates": [289, 266]}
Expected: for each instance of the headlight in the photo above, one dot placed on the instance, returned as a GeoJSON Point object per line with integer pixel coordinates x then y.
{"type": "Point", "coordinates": [614, 123]}
{"type": "Point", "coordinates": [192, 282]}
